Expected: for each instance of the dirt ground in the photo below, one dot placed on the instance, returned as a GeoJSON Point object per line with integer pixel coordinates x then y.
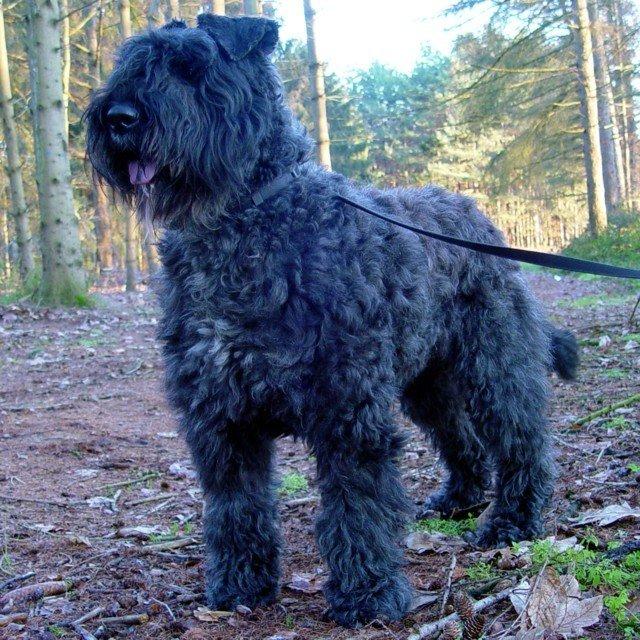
{"type": "Point", "coordinates": [96, 487]}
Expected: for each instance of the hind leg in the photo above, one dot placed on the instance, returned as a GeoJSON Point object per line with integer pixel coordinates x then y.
{"type": "Point", "coordinates": [506, 373]}
{"type": "Point", "coordinates": [434, 402]}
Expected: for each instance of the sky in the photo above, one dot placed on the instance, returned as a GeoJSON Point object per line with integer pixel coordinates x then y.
{"type": "Point", "coordinates": [352, 34]}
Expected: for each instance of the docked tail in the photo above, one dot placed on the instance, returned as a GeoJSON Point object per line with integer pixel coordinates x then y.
{"type": "Point", "coordinates": [564, 352]}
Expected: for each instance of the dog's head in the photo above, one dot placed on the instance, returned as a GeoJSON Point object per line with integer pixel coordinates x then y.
{"type": "Point", "coordinates": [189, 115]}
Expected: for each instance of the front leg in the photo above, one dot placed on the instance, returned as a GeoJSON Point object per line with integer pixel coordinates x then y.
{"type": "Point", "coordinates": [241, 530]}
{"type": "Point", "coordinates": [364, 511]}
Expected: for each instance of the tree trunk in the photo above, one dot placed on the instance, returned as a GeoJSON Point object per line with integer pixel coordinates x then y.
{"type": "Point", "coordinates": [218, 7]}
{"type": "Point", "coordinates": [14, 167]}
{"type": "Point", "coordinates": [173, 10]}
{"type": "Point", "coordinates": [318, 95]}
{"type": "Point", "coordinates": [5, 263]}
{"type": "Point", "coordinates": [252, 7]}
{"type": "Point", "coordinates": [102, 217]}
{"type": "Point", "coordinates": [613, 166]}
{"type": "Point", "coordinates": [149, 244]}
{"type": "Point", "coordinates": [153, 14]}
{"type": "Point", "coordinates": [624, 64]}
{"type": "Point", "coordinates": [66, 65]}
{"type": "Point", "coordinates": [129, 227]}
{"type": "Point", "coordinates": [63, 278]}
{"type": "Point", "coordinates": [593, 151]}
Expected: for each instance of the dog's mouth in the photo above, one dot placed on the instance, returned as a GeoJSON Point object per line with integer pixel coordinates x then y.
{"type": "Point", "coordinates": [141, 173]}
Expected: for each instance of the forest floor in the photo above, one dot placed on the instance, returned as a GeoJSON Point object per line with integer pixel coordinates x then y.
{"type": "Point", "coordinates": [97, 491]}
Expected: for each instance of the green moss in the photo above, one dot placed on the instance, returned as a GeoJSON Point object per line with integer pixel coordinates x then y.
{"type": "Point", "coordinates": [293, 483]}
{"type": "Point", "coordinates": [614, 374]}
{"type": "Point", "coordinates": [617, 422]}
{"type": "Point", "coordinates": [593, 300]}
{"type": "Point", "coordinates": [481, 571]}
{"type": "Point", "coordinates": [446, 527]}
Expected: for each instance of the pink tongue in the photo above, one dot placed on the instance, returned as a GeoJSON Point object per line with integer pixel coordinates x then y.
{"type": "Point", "coordinates": [141, 173]}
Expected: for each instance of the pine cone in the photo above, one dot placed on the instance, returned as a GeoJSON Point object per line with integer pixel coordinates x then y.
{"type": "Point", "coordinates": [464, 606]}
{"type": "Point", "coordinates": [451, 631]}
{"type": "Point", "coordinates": [474, 629]}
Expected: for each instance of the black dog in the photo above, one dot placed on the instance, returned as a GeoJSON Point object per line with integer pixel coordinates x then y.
{"type": "Point", "coordinates": [302, 316]}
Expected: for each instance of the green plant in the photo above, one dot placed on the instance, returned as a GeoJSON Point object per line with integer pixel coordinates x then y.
{"type": "Point", "coordinates": [481, 571]}
{"type": "Point", "coordinates": [446, 527]}
{"type": "Point", "coordinates": [293, 483]}
{"type": "Point", "coordinates": [634, 467]}
{"type": "Point", "coordinates": [57, 631]}
{"type": "Point", "coordinates": [289, 622]}
{"type": "Point", "coordinates": [617, 422]}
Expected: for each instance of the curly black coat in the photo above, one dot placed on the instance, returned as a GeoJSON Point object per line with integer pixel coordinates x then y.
{"type": "Point", "coordinates": [305, 317]}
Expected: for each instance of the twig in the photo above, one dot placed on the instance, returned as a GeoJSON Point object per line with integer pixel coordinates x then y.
{"type": "Point", "coordinates": [128, 483]}
{"type": "Point", "coordinates": [633, 313]}
{"type": "Point", "coordinates": [608, 409]}
{"type": "Point", "coordinates": [55, 503]}
{"type": "Point", "coordinates": [428, 630]}
{"type": "Point", "coordinates": [16, 579]}
{"type": "Point", "coordinates": [160, 496]}
{"type": "Point", "coordinates": [169, 545]}
{"type": "Point", "coordinates": [94, 613]}
{"type": "Point", "coordinates": [165, 606]}
{"type": "Point", "coordinates": [136, 618]}
{"type": "Point", "coordinates": [34, 592]}
{"type": "Point", "coordinates": [12, 618]}
{"type": "Point", "coordinates": [447, 589]}
{"type": "Point", "coordinates": [296, 502]}
{"type": "Point", "coordinates": [82, 632]}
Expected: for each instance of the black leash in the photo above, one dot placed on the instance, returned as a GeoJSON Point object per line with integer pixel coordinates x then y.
{"type": "Point", "coordinates": [539, 258]}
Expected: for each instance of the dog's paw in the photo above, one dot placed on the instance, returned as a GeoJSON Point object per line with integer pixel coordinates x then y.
{"type": "Point", "coordinates": [446, 504]}
{"type": "Point", "coordinates": [224, 597]}
{"type": "Point", "coordinates": [501, 532]}
{"type": "Point", "coordinates": [388, 602]}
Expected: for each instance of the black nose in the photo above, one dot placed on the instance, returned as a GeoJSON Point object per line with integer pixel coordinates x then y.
{"type": "Point", "coordinates": [122, 117]}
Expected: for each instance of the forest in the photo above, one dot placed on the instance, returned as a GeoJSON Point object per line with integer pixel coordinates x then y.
{"type": "Point", "coordinates": [534, 116]}
{"type": "Point", "coordinates": [103, 520]}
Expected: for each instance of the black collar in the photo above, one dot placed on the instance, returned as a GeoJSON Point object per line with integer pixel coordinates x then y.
{"type": "Point", "coordinates": [275, 186]}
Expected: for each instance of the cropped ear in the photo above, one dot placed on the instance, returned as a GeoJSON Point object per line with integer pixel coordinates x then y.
{"type": "Point", "coordinates": [238, 37]}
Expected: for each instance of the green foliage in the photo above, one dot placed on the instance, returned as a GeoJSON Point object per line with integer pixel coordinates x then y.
{"type": "Point", "coordinates": [617, 245]}
{"type": "Point", "coordinates": [615, 581]}
{"type": "Point", "coordinates": [481, 571]}
{"type": "Point", "coordinates": [293, 483]}
{"type": "Point", "coordinates": [58, 632]}
{"type": "Point", "coordinates": [634, 467]}
{"type": "Point", "coordinates": [617, 422]}
{"type": "Point", "coordinates": [446, 527]}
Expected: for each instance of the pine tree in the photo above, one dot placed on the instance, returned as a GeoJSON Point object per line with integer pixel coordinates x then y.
{"type": "Point", "coordinates": [63, 277]}
{"type": "Point", "coordinates": [19, 208]}
{"type": "Point", "coordinates": [318, 94]}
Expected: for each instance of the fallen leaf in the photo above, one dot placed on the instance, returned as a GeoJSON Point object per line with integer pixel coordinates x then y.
{"type": "Point", "coordinates": [607, 515]}
{"type": "Point", "coordinates": [142, 532]}
{"type": "Point", "coordinates": [305, 583]}
{"type": "Point", "coordinates": [285, 635]}
{"type": "Point", "coordinates": [556, 604]}
{"type": "Point", "coordinates": [432, 542]}
{"type": "Point", "coordinates": [422, 599]}
{"type": "Point", "coordinates": [604, 341]}
{"type": "Point", "coordinates": [207, 615]}
{"type": "Point", "coordinates": [179, 470]}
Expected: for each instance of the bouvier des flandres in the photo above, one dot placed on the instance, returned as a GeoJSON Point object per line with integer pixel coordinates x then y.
{"type": "Point", "coordinates": [302, 316]}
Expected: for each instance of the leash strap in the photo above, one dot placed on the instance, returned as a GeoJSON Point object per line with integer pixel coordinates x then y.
{"type": "Point", "coordinates": [539, 258]}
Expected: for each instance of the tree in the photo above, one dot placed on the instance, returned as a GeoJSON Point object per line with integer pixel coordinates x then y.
{"type": "Point", "coordinates": [102, 217]}
{"type": "Point", "coordinates": [63, 277]}
{"type": "Point", "coordinates": [589, 99]}
{"type": "Point", "coordinates": [252, 7]}
{"type": "Point", "coordinates": [130, 260]}
{"type": "Point", "coordinates": [19, 208]}
{"type": "Point", "coordinates": [218, 7]}
{"type": "Point", "coordinates": [318, 95]}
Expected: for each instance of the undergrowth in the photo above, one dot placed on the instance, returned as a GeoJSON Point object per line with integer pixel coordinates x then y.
{"type": "Point", "coordinates": [293, 483]}
{"type": "Point", "coordinates": [619, 244]}
{"type": "Point", "coordinates": [446, 527]}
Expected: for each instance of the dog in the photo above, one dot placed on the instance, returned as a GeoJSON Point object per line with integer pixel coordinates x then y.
{"type": "Point", "coordinates": [301, 316]}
